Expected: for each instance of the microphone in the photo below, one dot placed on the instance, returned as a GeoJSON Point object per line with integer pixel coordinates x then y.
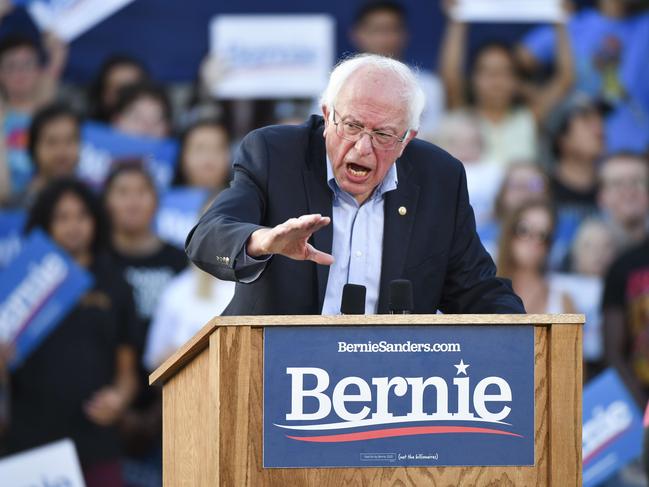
{"type": "Point", "coordinates": [353, 301]}
{"type": "Point", "coordinates": [401, 302]}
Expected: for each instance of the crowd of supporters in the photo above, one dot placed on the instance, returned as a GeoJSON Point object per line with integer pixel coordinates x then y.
{"type": "Point", "coordinates": [553, 132]}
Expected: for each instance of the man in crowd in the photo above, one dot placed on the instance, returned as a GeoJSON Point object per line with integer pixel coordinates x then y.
{"type": "Point", "coordinates": [349, 198]}
{"type": "Point", "coordinates": [624, 196]}
{"type": "Point", "coordinates": [381, 27]}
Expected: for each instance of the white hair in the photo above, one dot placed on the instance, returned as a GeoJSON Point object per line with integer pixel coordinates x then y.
{"type": "Point", "coordinates": [411, 94]}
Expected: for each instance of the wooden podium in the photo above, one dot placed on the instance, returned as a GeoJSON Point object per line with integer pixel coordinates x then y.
{"type": "Point", "coordinates": [213, 395]}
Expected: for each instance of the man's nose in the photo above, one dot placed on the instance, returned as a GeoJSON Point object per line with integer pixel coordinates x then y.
{"type": "Point", "coordinates": [364, 144]}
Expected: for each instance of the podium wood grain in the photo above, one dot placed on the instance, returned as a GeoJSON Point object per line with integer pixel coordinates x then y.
{"type": "Point", "coordinates": [213, 418]}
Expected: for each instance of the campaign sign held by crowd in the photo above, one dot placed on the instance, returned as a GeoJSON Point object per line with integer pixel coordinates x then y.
{"type": "Point", "coordinates": [272, 56]}
{"type": "Point", "coordinates": [178, 212]}
{"type": "Point", "coordinates": [11, 229]}
{"type": "Point", "coordinates": [101, 146]}
{"type": "Point", "coordinates": [398, 396]}
{"type": "Point", "coordinates": [36, 291]}
{"type": "Point", "coordinates": [612, 430]}
{"type": "Point", "coordinates": [52, 465]}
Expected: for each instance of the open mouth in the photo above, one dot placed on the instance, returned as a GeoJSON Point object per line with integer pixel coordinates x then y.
{"type": "Point", "coordinates": [357, 171]}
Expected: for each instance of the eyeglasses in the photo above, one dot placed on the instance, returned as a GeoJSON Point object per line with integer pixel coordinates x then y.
{"type": "Point", "coordinates": [353, 132]}
{"type": "Point", "coordinates": [524, 232]}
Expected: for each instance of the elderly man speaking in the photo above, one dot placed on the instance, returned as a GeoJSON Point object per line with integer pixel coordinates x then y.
{"type": "Point", "coordinates": [350, 197]}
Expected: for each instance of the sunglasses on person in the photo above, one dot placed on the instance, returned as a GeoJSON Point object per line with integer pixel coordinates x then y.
{"type": "Point", "coordinates": [524, 232]}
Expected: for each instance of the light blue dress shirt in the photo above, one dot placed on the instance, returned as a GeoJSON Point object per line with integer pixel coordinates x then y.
{"type": "Point", "coordinates": [357, 245]}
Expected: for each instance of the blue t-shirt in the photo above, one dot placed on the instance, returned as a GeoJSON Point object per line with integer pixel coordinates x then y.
{"type": "Point", "coordinates": [610, 57]}
{"type": "Point", "coordinates": [16, 127]}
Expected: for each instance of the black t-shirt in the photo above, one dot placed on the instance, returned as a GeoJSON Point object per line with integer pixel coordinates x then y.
{"type": "Point", "coordinates": [581, 203]}
{"type": "Point", "coordinates": [76, 360]}
{"type": "Point", "coordinates": [148, 275]}
{"type": "Point", "coordinates": [627, 288]}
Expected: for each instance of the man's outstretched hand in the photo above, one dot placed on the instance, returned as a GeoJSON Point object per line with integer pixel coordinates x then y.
{"type": "Point", "coordinates": [290, 239]}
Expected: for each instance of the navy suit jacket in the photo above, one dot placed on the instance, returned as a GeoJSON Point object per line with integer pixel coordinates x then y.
{"type": "Point", "coordinates": [280, 173]}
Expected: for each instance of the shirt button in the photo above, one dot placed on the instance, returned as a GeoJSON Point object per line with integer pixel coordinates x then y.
{"type": "Point", "coordinates": [359, 253]}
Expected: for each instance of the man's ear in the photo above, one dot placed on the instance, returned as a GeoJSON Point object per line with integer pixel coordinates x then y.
{"type": "Point", "coordinates": [325, 114]}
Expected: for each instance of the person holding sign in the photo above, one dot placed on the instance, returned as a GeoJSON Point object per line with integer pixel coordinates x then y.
{"type": "Point", "coordinates": [400, 209]}
{"type": "Point", "coordinates": [81, 378]}
{"type": "Point", "coordinates": [508, 108]}
{"type": "Point", "coordinates": [609, 42]}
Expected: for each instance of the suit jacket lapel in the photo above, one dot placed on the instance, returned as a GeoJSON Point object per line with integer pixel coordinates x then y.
{"type": "Point", "coordinates": [397, 229]}
{"type": "Point", "coordinates": [319, 200]}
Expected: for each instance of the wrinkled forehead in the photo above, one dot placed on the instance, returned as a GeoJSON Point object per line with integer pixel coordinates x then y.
{"type": "Point", "coordinates": [376, 95]}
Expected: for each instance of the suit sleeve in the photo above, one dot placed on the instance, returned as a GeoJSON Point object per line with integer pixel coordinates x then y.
{"type": "Point", "coordinates": [217, 243]}
{"type": "Point", "coordinates": [471, 285]}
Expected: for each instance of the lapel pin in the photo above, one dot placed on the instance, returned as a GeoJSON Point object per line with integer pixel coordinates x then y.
{"type": "Point", "coordinates": [402, 210]}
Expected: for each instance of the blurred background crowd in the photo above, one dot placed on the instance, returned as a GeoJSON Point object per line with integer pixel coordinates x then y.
{"type": "Point", "coordinates": [551, 123]}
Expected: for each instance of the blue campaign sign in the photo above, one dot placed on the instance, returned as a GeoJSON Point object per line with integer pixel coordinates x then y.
{"type": "Point", "coordinates": [398, 396]}
{"type": "Point", "coordinates": [612, 430]}
{"type": "Point", "coordinates": [101, 146]}
{"type": "Point", "coordinates": [36, 291]}
{"type": "Point", "coordinates": [11, 229]}
{"type": "Point", "coordinates": [178, 212]}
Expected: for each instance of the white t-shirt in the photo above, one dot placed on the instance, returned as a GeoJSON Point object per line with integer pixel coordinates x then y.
{"type": "Point", "coordinates": [483, 180]}
{"type": "Point", "coordinates": [434, 108]}
{"type": "Point", "coordinates": [181, 312]}
{"type": "Point", "coordinates": [513, 139]}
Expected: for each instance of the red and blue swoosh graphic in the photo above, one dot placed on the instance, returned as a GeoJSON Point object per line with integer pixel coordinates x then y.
{"type": "Point", "coordinates": [404, 431]}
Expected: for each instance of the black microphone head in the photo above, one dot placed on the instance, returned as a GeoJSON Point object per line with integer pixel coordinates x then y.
{"type": "Point", "coordinates": [401, 296]}
{"type": "Point", "coordinates": [353, 301]}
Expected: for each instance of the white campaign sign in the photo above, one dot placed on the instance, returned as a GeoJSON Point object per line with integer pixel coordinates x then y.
{"type": "Point", "coordinates": [55, 464]}
{"type": "Point", "coordinates": [508, 11]}
{"type": "Point", "coordinates": [71, 18]}
{"type": "Point", "coordinates": [272, 56]}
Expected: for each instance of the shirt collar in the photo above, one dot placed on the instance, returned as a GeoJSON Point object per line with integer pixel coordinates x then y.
{"type": "Point", "coordinates": [389, 182]}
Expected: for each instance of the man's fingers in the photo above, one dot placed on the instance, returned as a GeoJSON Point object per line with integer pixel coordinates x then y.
{"type": "Point", "coordinates": [305, 225]}
{"type": "Point", "coordinates": [317, 256]}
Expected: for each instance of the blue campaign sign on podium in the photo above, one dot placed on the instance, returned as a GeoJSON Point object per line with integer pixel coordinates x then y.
{"type": "Point", "coordinates": [612, 431]}
{"type": "Point", "coordinates": [398, 396]}
{"type": "Point", "coordinates": [37, 289]}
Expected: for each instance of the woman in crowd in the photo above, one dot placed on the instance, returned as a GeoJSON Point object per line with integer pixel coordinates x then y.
{"type": "Point", "coordinates": [522, 182]}
{"type": "Point", "coordinates": [142, 109]}
{"type": "Point", "coordinates": [190, 300]}
{"type": "Point", "coordinates": [593, 250]}
{"type": "Point", "coordinates": [82, 377]}
{"type": "Point", "coordinates": [53, 145]}
{"type": "Point", "coordinates": [460, 133]}
{"type": "Point", "coordinates": [148, 265]}
{"type": "Point", "coordinates": [115, 73]}
{"type": "Point", "coordinates": [524, 248]}
{"type": "Point", "coordinates": [508, 108]}
{"type": "Point", "coordinates": [204, 160]}
{"type": "Point", "coordinates": [187, 304]}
